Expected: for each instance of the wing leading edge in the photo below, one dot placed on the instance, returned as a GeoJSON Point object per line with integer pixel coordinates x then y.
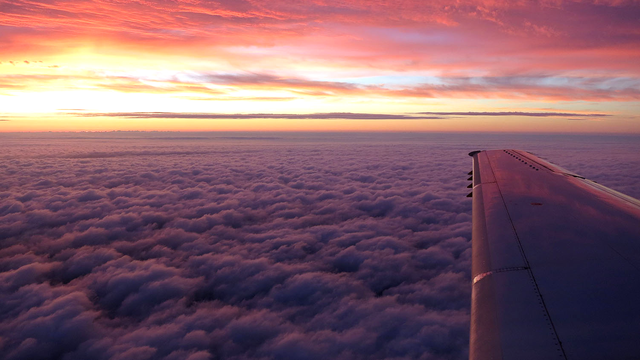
{"type": "Point", "coordinates": [556, 263]}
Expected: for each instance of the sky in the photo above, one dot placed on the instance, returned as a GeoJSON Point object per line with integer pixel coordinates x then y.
{"type": "Point", "coordinates": [349, 65]}
{"type": "Point", "coordinates": [196, 246]}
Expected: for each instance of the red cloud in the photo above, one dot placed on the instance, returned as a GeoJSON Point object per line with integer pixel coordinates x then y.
{"type": "Point", "coordinates": [488, 39]}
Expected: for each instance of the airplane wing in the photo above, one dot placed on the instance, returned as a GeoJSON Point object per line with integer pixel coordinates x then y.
{"type": "Point", "coordinates": [556, 263]}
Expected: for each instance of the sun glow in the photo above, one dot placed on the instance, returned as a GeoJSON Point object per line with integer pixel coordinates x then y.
{"type": "Point", "coordinates": [274, 58]}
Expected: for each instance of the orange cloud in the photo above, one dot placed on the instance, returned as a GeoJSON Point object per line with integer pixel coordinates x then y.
{"type": "Point", "coordinates": [327, 52]}
{"type": "Point", "coordinates": [225, 86]}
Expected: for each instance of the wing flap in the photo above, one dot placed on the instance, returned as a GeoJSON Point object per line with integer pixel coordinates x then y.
{"type": "Point", "coordinates": [508, 319]}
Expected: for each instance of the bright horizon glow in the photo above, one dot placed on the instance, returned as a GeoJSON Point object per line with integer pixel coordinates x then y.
{"type": "Point", "coordinates": [350, 57]}
{"type": "Point", "coordinates": [71, 123]}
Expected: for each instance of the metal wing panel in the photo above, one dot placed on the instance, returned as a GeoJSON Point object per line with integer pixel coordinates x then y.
{"type": "Point", "coordinates": [581, 247]}
{"type": "Point", "coordinates": [495, 236]}
{"type": "Point", "coordinates": [503, 288]}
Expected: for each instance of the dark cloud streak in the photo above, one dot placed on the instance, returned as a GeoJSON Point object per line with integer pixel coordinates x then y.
{"type": "Point", "coordinates": [331, 116]}
{"type": "Point", "coordinates": [314, 116]}
{"type": "Point", "coordinates": [514, 113]}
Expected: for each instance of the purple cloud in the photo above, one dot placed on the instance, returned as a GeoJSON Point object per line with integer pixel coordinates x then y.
{"type": "Point", "coordinates": [194, 246]}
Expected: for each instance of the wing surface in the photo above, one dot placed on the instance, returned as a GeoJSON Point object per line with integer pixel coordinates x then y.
{"type": "Point", "coordinates": [556, 263]}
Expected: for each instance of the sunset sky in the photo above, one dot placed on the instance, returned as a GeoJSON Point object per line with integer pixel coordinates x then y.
{"type": "Point", "coordinates": [406, 65]}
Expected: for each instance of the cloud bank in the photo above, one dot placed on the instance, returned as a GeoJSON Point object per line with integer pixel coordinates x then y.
{"type": "Point", "coordinates": [244, 252]}
{"type": "Point", "coordinates": [208, 246]}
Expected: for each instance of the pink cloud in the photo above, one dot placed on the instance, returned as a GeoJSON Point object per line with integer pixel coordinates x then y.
{"type": "Point", "coordinates": [524, 50]}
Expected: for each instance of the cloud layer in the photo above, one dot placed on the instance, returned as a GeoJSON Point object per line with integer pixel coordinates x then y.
{"type": "Point", "coordinates": [242, 252]}
{"type": "Point", "coordinates": [200, 246]}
